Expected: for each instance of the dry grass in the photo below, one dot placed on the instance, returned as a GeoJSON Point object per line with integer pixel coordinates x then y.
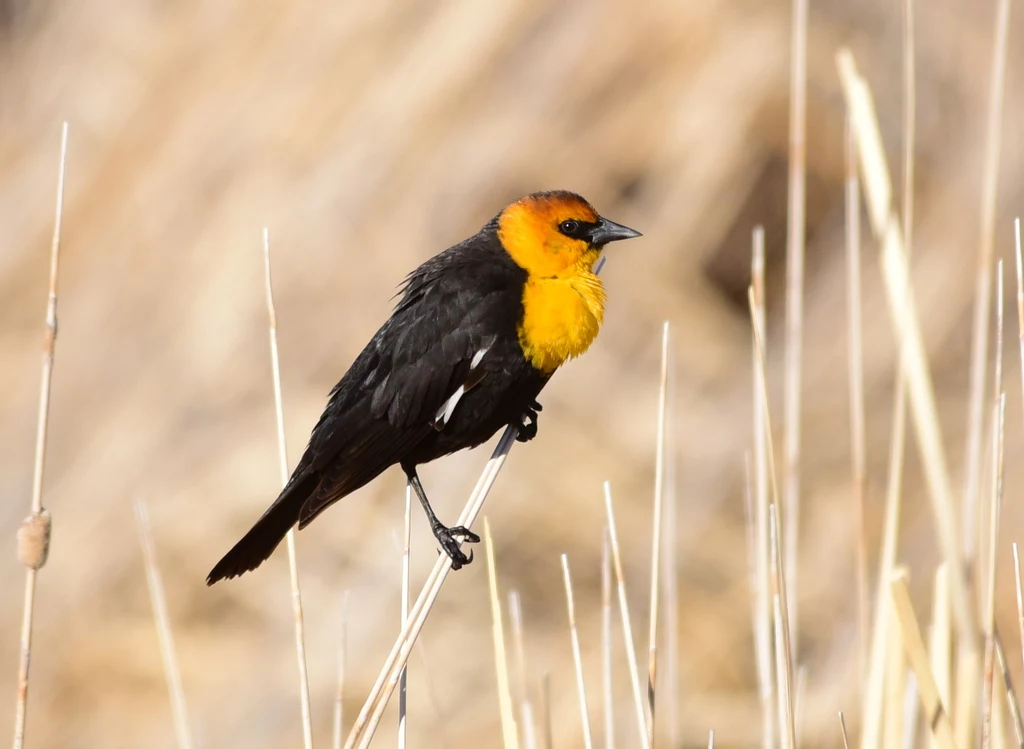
{"type": "Point", "coordinates": [372, 135]}
{"type": "Point", "coordinates": [34, 532]}
{"type": "Point", "coordinates": [282, 455]}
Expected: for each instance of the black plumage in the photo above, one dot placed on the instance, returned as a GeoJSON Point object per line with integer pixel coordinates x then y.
{"type": "Point", "coordinates": [477, 332]}
{"type": "Point", "coordinates": [466, 300]}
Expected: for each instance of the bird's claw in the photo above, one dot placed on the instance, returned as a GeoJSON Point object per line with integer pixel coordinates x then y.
{"type": "Point", "coordinates": [528, 429]}
{"type": "Point", "coordinates": [447, 537]}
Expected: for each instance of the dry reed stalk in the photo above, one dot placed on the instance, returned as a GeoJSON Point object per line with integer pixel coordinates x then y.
{"type": "Point", "coordinates": [794, 300]}
{"type": "Point", "coordinates": [762, 381]}
{"type": "Point", "coordinates": [780, 607]}
{"type": "Point", "coordinates": [1011, 695]}
{"type": "Point", "coordinates": [577, 655]}
{"type": "Point", "coordinates": [998, 718]}
{"type": "Point", "coordinates": [842, 727]}
{"type": "Point", "coordinates": [935, 714]}
{"type": "Point", "coordinates": [764, 677]}
{"type": "Point", "coordinates": [545, 698]}
{"type": "Point", "coordinates": [878, 190]}
{"type": "Point", "coordinates": [799, 705]}
{"type": "Point", "coordinates": [856, 379]}
{"type": "Point", "coordinates": [508, 716]}
{"type": "Point", "coordinates": [762, 608]}
{"type": "Point", "coordinates": [1020, 599]}
{"type": "Point", "coordinates": [515, 611]}
{"type": "Point", "coordinates": [993, 540]}
{"type": "Point", "coordinates": [403, 684]}
{"type": "Point", "coordinates": [608, 700]}
{"type": "Point", "coordinates": [282, 450]}
{"type": "Point", "coordinates": [940, 639]}
{"type": "Point", "coordinates": [895, 687]}
{"type": "Point", "coordinates": [983, 287]}
{"type": "Point", "coordinates": [911, 707]}
{"type": "Point", "coordinates": [909, 123]}
{"type": "Point", "coordinates": [659, 511]}
{"type": "Point", "coordinates": [158, 599]}
{"type": "Point", "coordinates": [370, 714]}
{"type": "Point", "coordinates": [1020, 295]}
{"type": "Point", "coordinates": [978, 529]}
{"type": "Point", "coordinates": [874, 684]}
{"type": "Point", "coordinates": [670, 561]}
{"type": "Point", "coordinates": [34, 533]}
{"type": "Point", "coordinates": [874, 689]}
{"type": "Point", "coordinates": [627, 629]}
{"type": "Point", "coordinates": [339, 692]}
{"type": "Point", "coordinates": [783, 654]}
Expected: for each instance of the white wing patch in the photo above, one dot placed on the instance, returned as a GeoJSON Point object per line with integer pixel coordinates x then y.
{"type": "Point", "coordinates": [478, 357]}
{"type": "Point", "coordinates": [444, 413]}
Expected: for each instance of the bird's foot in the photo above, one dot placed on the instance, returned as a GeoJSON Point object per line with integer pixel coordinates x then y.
{"type": "Point", "coordinates": [528, 429]}
{"type": "Point", "coordinates": [448, 538]}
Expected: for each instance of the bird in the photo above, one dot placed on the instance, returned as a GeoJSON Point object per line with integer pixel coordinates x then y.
{"type": "Point", "coordinates": [476, 333]}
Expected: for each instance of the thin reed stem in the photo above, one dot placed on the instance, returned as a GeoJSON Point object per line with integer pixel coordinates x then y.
{"type": "Point", "coordinates": [858, 446]}
{"type": "Point", "coordinates": [983, 284]}
{"type": "Point", "coordinates": [670, 561]}
{"type": "Point", "coordinates": [627, 629]}
{"type": "Point", "coordinates": [935, 714]}
{"type": "Point", "coordinates": [878, 189]}
{"type": "Point", "coordinates": [608, 700]}
{"type": "Point", "coordinates": [34, 533]}
{"type": "Point", "coordinates": [783, 653]}
{"type": "Point", "coordinates": [508, 716]}
{"type": "Point", "coordinates": [659, 511]}
{"type": "Point", "coordinates": [282, 449]}
{"type": "Point", "coordinates": [795, 301]}
{"type": "Point", "coordinates": [403, 684]}
{"type": "Point", "coordinates": [1020, 598]}
{"type": "Point", "coordinates": [842, 727]}
{"type": "Point", "coordinates": [581, 689]}
{"type": "Point", "coordinates": [545, 699]}
{"type": "Point", "coordinates": [515, 610]}
{"type": "Point", "coordinates": [339, 692]}
{"type": "Point", "coordinates": [762, 607]}
{"type": "Point", "coordinates": [940, 640]}
{"type": "Point", "coordinates": [369, 716]}
{"type": "Point", "coordinates": [1011, 695]}
{"type": "Point", "coordinates": [158, 599]}
{"type": "Point", "coordinates": [1020, 298]}
{"type": "Point", "coordinates": [993, 542]}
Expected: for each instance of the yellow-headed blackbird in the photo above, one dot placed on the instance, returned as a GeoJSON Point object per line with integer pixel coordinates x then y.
{"type": "Point", "coordinates": [478, 331]}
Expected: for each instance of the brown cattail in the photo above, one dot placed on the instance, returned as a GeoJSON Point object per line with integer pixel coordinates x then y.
{"type": "Point", "coordinates": [34, 539]}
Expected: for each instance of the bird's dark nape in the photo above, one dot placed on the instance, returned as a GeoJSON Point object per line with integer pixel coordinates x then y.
{"type": "Point", "coordinates": [259, 543]}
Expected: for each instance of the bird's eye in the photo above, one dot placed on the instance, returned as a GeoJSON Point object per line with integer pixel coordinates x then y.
{"type": "Point", "coordinates": [569, 227]}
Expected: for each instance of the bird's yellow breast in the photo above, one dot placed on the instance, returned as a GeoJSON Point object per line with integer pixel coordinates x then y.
{"type": "Point", "coordinates": [561, 318]}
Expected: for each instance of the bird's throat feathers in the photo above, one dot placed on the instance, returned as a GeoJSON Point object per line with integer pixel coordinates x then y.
{"type": "Point", "coordinates": [563, 299]}
{"type": "Point", "coordinates": [561, 318]}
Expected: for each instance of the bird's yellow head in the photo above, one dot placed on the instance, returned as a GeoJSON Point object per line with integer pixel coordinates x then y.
{"type": "Point", "coordinates": [556, 237]}
{"type": "Point", "coordinates": [551, 234]}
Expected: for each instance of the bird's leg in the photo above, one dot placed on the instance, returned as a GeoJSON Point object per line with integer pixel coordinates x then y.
{"type": "Point", "coordinates": [528, 427]}
{"type": "Point", "coordinates": [445, 536]}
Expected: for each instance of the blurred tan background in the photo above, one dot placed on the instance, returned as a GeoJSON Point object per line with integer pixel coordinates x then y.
{"type": "Point", "coordinates": [367, 137]}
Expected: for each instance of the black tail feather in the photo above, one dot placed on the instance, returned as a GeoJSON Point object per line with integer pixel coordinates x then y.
{"type": "Point", "coordinates": [259, 543]}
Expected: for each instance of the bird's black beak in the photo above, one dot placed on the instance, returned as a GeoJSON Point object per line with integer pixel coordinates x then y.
{"type": "Point", "coordinates": [609, 231]}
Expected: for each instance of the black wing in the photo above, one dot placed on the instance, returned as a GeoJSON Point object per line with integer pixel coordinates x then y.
{"type": "Point", "coordinates": [433, 347]}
